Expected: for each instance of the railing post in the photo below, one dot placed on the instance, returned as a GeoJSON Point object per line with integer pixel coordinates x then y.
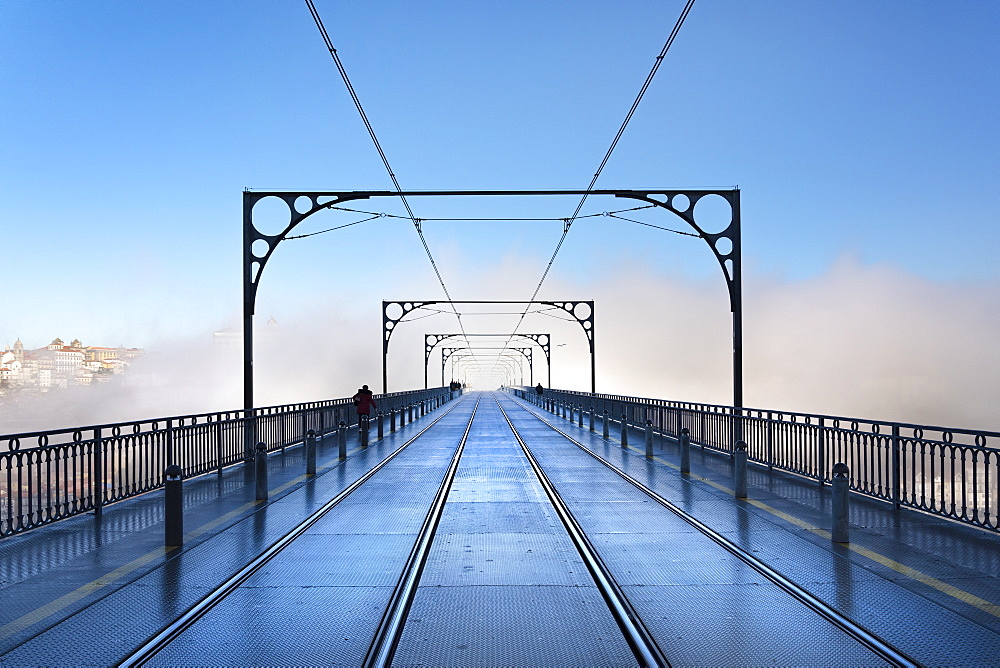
{"type": "Point", "coordinates": [169, 442]}
{"type": "Point", "coordinates": [580, 416]}
{"type": "Point", "coordinates": [591, 419]}
{"type": "Point", "coordinates": [219, 453]}
{"type": "Point", "coordinates": [173, 506]}
{"type": "Point", "coordinates": [606, 429]}
{"type": "Point", "coordinates": [342, 440]}
{"type": "Point", "coordinates": [98, 481]}
{"type": "Point", "coordinates": [841, 532]}
{"type": "Point", "coordinates": [896, 467]}
{"type": "Point", "coordinates": [311, 452]}
{"type": "Point", "coordinates": [821, 454]}
{"type": "Point", "coordinates": [649, 439]}
{"type": "Point", "coordinates": [363, 424]}
{"type": "Point", "coordinates": [392, 420]}
{"type": "Point", "coordinates": [624, 430]}
{"type": "Point", "coordinates": [413, 412]}
{"type": "Point", "coordinates": [260, 471]}
{"type": "Point", "coordinates": [741, 469]}
{"type": "Point", "coordinates": [770, 442]}
{"type": "Point", "coordinates": [685, 446]}
{"type": "Point", "coordinates": [379, 426]}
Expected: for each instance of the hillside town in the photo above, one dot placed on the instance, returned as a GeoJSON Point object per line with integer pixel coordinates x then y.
{"type": "Point", "coordinates": [59, 366]}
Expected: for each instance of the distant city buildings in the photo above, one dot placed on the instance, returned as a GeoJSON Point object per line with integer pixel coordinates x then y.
{"type": "Point", "coordinates": [59, 366]}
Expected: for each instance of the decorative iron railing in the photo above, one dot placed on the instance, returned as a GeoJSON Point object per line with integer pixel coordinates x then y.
{"type": "Point", "coordinates": [50, 475]}
{"type": "Point", "coordinates": [954, 473]}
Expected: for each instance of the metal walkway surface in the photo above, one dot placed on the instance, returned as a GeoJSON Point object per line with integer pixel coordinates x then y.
{"type": "Point", "coordinates": [491, 533]}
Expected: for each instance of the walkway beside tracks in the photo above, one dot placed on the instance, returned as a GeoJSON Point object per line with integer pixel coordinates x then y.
{"type": "Point", "coordinates": [503, 580]}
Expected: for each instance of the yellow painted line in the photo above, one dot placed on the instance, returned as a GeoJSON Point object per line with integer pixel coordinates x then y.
{"type": "Point", "coordinates": [903, 569]}
{"type": "Point", "coordinates": [38, 614]}
{"type": "Point", "coordinates": [108, 579]}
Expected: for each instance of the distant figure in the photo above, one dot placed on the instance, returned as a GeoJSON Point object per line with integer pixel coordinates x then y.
{"type": "Point", "coordinates": [364, 401]}
{"type": "Point", "coordinates": [539, 389]}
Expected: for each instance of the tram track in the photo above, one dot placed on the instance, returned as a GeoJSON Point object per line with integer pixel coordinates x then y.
{"type": "Point", "coordinates": [390, 628]}
{"type": "Point", "coordinates": [156, 644]}
{"type": "Point", "coordinates": [860, 634]}
{"type": "Point", "coordinates": [638, 637]}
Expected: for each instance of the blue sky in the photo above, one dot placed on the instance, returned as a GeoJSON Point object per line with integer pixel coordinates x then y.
{"type": "Point", "coordinates": [859, 132]}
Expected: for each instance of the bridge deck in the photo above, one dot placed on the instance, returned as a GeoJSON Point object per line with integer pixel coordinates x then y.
{"type": "Point", "coordinates": [502, 583]}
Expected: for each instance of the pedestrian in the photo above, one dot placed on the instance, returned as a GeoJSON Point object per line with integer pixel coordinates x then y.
{"type": "Point", "coordinates": [364, 402]}
{"type": "Point", "coordinates": [539, 389]}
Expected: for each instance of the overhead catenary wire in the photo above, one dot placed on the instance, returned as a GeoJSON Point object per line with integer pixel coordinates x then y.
{"type": "Point", "coordinates": [378, 146]}
{"type": "Point", "coordinates": [607, 156]}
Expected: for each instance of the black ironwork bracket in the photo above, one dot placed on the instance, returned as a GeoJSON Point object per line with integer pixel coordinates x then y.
{"type": "Point", "coordinates": [543, 341]}
{"type": "Point", "coordinates": [258, 248]}
{"type": "Point", "coordinates": [446, 354]}
{"type": "Point", "coordinates": [582, 311]}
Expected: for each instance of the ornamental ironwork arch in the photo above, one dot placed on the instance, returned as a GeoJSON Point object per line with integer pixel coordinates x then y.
{"type": "Point", "coordinates": [543, 341]}
{"type": "Point", "coordinates": [583, 317]}
{"type": "Point", "coordinates": [500, 360]}
{"type": "Point", "coordinates": [258, 247]}
{"type": "Point", "coordinates": [446, 353]}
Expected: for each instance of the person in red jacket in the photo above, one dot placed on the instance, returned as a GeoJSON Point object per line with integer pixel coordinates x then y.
{"type": "Point", "coordinates": [364, 401]}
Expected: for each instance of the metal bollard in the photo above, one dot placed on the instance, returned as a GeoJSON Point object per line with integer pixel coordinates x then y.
{"type": "Point", "coordinates": [591, 419]}
{"type": "Point", "coordinates": [624, 430]}
{"type": "Point", "coordinates": [606, 427]}
{"type": "Point", "coordinates": [173, 506]}
{"type": "Point", "coordinates": [423, 409]}
{"type": "Point", "coordinates": [649, 439]}
{"type": "Point", "coordinates": [311, 453]}
{"type": "Point", "coordinates": [579, 422]}
{"type": "Point", "coordinates": [260, 471]}
{"type": "Point", "coordinates": [379, 426]}
{"type": "Point", "coordinates": [841, 505]}
{"type": "Point", "coordinates": [685, 446]}
{"type": "Point", "coordinates": [342, 440]}
{"type": "Point", "coordinates": [364, 422]}
{"type": "Point", "coordinates": [741, 469]}
{"type": "Point", "coordinates": [392, 420]}
{"type": "Point", "coordinates": [413, 412]}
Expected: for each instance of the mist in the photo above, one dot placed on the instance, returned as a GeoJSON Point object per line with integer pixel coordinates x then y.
{"type": "Point", "coordinates": [865, 341]}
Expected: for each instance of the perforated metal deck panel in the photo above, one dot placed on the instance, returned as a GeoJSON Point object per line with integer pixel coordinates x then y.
{"type": "Point", "coordinates": [935, 628]}
{"type": "Point", "coordinates": [125, 616]}
{"type": "Point", "coordinates": [319, 601]}
{"type": "Point", "coordinates": [504, 585]}
{"type": "Point", "coordinates": [703, 605]}
{"type": "Point", "coordinates": [319, 607]}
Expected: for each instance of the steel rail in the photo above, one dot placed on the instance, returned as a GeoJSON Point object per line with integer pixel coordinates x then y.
{"type": "Point", "coordinates": [868, 639]}
{"type": "Point", "coordinates": [390, 628]}
{"type": "Point", "coordinates": [638, 637]}
{"type": "Point", "coordinates": [158, 642]}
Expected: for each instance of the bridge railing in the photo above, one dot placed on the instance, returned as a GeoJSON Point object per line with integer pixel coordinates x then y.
{"type": "Point", "coordinates": [50, 475]}
{"type": "Point", "coordinates": [954, 473]}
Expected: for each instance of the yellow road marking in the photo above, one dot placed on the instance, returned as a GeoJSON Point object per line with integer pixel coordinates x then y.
{"type": "Point", "coordinates": [934, 583]}
{"type": "Point", "coordinates": [106, 580]}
